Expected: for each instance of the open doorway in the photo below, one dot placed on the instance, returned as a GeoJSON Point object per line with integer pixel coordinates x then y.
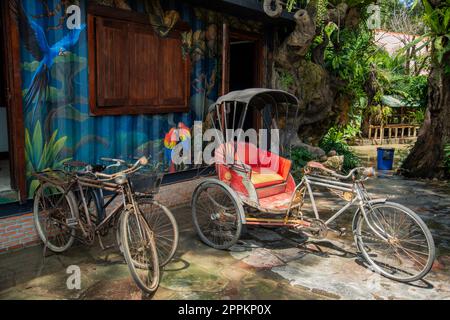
{"type": "Point", "coordinates": [5, 173]}
{"type": "Point", "coordinates": [245, 68]}
{"type": "Point", "coordinates": [242, 66]}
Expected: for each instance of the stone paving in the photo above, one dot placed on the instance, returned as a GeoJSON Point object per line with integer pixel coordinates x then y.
{"type": "Point", "coordinates": [266, 264]}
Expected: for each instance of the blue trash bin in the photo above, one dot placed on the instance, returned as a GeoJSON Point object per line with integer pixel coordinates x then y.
{"type": "Point", "coordinates": [385, 158]}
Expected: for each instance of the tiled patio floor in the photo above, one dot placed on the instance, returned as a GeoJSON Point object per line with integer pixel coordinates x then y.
{"type": "Point", "coordinates": [268, 264]}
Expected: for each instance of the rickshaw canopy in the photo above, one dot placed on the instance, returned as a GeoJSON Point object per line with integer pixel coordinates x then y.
{"type": "Point", "coordinates": [256, 97]}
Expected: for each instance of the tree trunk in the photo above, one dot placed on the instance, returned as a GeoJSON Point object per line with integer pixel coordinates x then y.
{"type": "Point", "coordinates": [321, 105]}
{"type": "Point", "coordinates": [426, 159]}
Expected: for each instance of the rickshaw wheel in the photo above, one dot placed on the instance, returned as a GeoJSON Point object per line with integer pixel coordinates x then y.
{"type": "Point", "coordinates": [216, 214]}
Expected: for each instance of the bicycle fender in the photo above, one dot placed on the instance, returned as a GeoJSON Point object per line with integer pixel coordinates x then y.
{"type": "Point", "coordinates": [99, 203]}
{"type": "Point", "coordinates": [358, 213]}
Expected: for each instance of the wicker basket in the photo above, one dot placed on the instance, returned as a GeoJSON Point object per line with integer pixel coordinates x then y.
{"type": "Point", "coordinates": [146, 182]}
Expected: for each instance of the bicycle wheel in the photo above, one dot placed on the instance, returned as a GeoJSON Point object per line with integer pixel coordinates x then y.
{"type": "Point", "coordinates": [395, 242]}
{"type": "Point", "coordinates": [216, 215]}
{"type": "Point", "coordinates": [139, 246]}
{"type": "Point", "coordinates": [164, 226]}
{"type": "Point", "coordinates": [52, 210]}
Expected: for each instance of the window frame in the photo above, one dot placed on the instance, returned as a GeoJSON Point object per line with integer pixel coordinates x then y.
{"type": "Point", "coordinates": [140, 19]}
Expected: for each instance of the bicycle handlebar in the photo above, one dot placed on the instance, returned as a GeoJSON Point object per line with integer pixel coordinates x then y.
{"type": "Point", "coordinates": [116, 162]}
{"type": "Point", "coordinates": [367, 172]}
{"type": "Point", "coordinates": [141, 162]}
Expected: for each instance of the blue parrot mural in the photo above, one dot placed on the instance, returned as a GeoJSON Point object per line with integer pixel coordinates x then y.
{"type": "Point", "coordinates": [35, 41]}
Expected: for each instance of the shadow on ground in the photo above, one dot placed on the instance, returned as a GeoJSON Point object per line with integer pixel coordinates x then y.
{"type": "Point", "coordinates": [265, 264]}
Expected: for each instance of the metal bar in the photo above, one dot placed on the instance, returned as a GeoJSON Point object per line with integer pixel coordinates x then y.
{"type": "Point", "coordinates": [220, 118]}
{"type": "Point", "coordinates": [337, 214]}
{"type": "Point", "coordinates": [234, 114]}
{"type": "Point", "coordinates": [112, 214]}
{"type": "Point", "coordinates": [241, 121]}
{"type": "Point", "coordinates": [338, 183]}
{"type": "Point", "coordinates": [311, 196]}
{"type": "Point", "coordinates": [281, 222]}
{"type": "Point", "coordinates": [111, 199]}
{"type": "Point", "coordinates": [330, 186]}
{"type": "Point", "coordinates": [85, 207]}
{"type": "Point", "coordinates": [225, 116]}
{"type": "Point", "coordinates": [225, 59]}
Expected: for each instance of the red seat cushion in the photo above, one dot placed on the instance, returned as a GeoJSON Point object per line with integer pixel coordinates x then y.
{"type": "Point", "coordinates": [267, 168]}
{"type": "Point", "coordinates": [264, 177]}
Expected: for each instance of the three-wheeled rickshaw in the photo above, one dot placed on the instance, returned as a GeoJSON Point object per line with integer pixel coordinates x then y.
{"type": "Point", "coordinates": [254, 186]}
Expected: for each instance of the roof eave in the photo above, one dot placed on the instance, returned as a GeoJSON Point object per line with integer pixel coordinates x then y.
{"type": "Point", "coordinates": [250, 9]}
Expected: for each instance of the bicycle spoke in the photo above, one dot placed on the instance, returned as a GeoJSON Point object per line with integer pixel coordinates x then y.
{"type": "Point", "coordinates": [405, 253]}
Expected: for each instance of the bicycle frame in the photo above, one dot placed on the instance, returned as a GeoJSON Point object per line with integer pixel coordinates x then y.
{"type": "Point", "coordinates": [360, 198]}
{"type": "Point", "coordinates": [122, 190]}
{"type": "Point", "coordinates": [80, 184]}
{"type": "Point", "coordinates": [320, 181]}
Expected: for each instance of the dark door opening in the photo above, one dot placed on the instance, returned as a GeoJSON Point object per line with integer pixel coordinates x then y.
{"type": "Point", "coordinates": [5, 175]}
{"type": "Point", "coordinates": [242, 65]}
{"type": "Point", "coordinates": [244, 70]}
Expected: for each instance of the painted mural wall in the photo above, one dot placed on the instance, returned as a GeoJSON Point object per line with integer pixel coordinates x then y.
{"type": "Point", "coordinates": [55, 86]}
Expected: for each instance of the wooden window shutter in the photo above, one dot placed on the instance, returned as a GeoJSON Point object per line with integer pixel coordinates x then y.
{"type": "Point", "coordinates": [112, 63]}
{"type": "Point", "coordinates": [144, 64]}
{"type": "Point", "coordinates": [174, 73]}
{"type": "Point", "coordinates": [133, 69]}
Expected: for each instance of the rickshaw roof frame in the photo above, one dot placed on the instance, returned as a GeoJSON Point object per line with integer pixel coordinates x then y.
{"type": "Point", "coordinates": [246, 96]}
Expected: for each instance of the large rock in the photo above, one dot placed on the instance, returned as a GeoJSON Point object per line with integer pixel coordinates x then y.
{"type": "Point", "coordinates": [315, 151]}
{"type": "Point", "coordinates": [298, 42]}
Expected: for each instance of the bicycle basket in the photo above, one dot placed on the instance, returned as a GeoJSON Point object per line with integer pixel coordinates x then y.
{"type": "Point", "coordinates": [146, 182]}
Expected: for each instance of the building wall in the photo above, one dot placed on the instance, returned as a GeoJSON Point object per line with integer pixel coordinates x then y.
{"type": "Point", "coordinates": [60, 123]}
{"type": "Point", "coordinates": [17, 232]}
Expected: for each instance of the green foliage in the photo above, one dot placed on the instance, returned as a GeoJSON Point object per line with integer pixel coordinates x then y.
{"type": "Point", "coordinates": [417, 117]}
{"type": "Point", "coordinates": [351, 130]}
{"type": "Point", "coordinates": [334, 140]}
{"type": "Point", "coordinates": [291, 4]}
{"type": "Point", "coordinates": [437, 19]}
{"type": "Point", "coordinates": [299, 157]}
{"type": "Point", "coordinates": [349, 59]}
{"type": "Point", "coordinates": [42, 155]}
{"type": "Point", "coordinates": [367, 71]}
{"type": "Point", "coordinates": [286, 80]}
{"type": "Point", "coordinates": [415, 90]}
{"type": "Point", "coordinates": [321, 12]}
{"type": "Point", "coordinates": [447, 157]}
{"type": "Point", "coordinates": [379, 113]}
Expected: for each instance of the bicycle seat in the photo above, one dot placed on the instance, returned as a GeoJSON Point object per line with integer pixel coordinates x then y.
{"type": "Point", "coordinates": [318, 165]}
{"type": "Point", "coordinates": [75, 164]}
{"type": "Point", "coordinates": [98, 168]}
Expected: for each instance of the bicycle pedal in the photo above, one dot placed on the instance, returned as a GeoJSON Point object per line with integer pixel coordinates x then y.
{"type": "Point", "coordinates": [72, 222]}
{"type": "Point", "coordinates": [342, 232]}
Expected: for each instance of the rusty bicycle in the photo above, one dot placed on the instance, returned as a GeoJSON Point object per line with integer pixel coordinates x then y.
{"type": "Point", "coordinates": [60, 220]}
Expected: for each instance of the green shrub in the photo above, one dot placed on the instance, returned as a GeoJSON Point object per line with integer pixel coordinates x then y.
{"type": "Point", "coordinates": [447, 158]}
{"type": "Point", "coordinates": [299, 157]}
{"type": "Point", "coordinates": [334, 140]}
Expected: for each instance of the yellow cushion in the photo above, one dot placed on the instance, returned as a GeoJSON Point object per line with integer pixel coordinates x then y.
{"type": "Point", "coordinates": [265, 176]}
